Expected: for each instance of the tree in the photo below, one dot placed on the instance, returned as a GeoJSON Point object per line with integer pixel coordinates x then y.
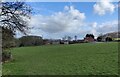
{"type": "Point", "coordinates": [7, 43]}
{"type": "Point", "coordinates": [99, 38]}
{"type": "Point", "coordinates": [90, 35]}
{"type": "Point", "coordinates": [31, 41]}
{"type": "Point", "coordinates": [75, 38]}
{"type": "Point", "coordinates": [108, 39]}
{"type": "Point", "coordinates": [64, 38]}
{"type": "Point", "coordinates": [12, 19]}
{"type": "Point", "coordinates": [13, 15]}
{"type": "Point", "coordinates": [7, 38]}
{"type": "Point", "coordinates": [69, 38]}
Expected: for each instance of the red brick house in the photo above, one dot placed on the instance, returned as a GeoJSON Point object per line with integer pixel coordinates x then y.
{"type": "Point", "coordinates": [89, 38]}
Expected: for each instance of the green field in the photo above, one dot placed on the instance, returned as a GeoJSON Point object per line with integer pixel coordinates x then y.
{"type": "Point", "coordinates": [76, 59]}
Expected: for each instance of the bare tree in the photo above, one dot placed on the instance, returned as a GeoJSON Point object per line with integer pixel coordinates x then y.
{"type": "Point", "coordinates": [13, 16]}
{"type": "Point", "coordinates": [75, 38]}
{"type": "Point", "coordinates": [69, 38]}
{"type": "Point", "coordinates": [64, 38]}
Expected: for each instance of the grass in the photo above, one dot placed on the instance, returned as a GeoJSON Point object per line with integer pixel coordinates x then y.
{"type": "Point", "coordinates": [76, 59]}
{"type": "Point", "coordinates": [116, 38]}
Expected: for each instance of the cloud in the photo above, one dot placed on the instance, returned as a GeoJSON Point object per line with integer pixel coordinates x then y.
{"type": "Point", "coordinates": [103, 7]}
{"type": "Point", "coordinates": [110, 26]}
{"type": "Point", "coordinates": [106, 27]}
{"type": "Point", "coordinates": [94, 26]}
{"type": "Point", "coordinates": [68, 20]}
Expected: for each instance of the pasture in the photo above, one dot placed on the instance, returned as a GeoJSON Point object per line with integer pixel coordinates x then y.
{"type": "Point", "coordinates": [74, 59]}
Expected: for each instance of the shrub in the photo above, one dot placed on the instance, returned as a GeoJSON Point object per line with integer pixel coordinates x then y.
{"type": "Point", "coordinates": [99, 39]}
{"type": "Point", "coordinates": [108, 39]}
{"type": "Point", "coordinates": [7, 43]}
{"type": "Point", "coordinates": [6, 55]}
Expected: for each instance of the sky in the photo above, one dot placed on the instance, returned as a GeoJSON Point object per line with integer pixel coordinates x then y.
{"type": "Point", "coordinates": [54, 20]}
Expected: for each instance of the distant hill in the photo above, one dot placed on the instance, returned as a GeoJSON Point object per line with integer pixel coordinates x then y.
{"type": "Point", "coordinates": [112, 34]}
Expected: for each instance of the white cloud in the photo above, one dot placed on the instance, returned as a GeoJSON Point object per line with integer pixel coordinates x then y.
{"type": "Point", "coordinates": [103, 7]}
{"type": "Point", "coordinates": [93, 28]}
{"type": "Point", "coordinates": [68, 21]}
{"type": "Point", "coordinates": [106, 27]}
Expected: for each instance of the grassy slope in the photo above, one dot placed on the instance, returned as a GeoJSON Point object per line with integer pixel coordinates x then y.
{"type": "Point", "coordinates": [82, 59]}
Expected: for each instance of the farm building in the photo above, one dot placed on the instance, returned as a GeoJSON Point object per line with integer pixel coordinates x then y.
{"type": "Point", "coordinates": [56, 41]}
{"type": "Point", "coordinates": [46, 41]}
{"type": "Point", "coordinates": [89, 38]}
{"type": "Point", "coordinates": [51, 41]}
{"type": "Point", "coordinates": [66, 42]}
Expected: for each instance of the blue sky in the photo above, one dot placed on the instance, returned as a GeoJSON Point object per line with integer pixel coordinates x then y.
{"type": "Point", "coordinates": [48, 18]}
{"type": "Point", "coordinates": [47, 8]}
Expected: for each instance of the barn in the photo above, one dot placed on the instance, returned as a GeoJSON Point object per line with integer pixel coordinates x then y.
{"type": "Point", "coordinates": [89, 38]}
